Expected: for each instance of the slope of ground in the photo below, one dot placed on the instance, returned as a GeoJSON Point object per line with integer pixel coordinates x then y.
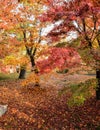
{"type": "Point", "coordinates": [41, 108]}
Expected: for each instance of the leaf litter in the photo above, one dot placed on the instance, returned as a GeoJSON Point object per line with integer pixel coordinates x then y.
{"type": "Point", "coordinates": [40, 108]}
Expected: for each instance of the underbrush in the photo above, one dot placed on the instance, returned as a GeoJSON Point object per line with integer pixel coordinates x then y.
{"type": "Point", "coordinates": [79, 92]}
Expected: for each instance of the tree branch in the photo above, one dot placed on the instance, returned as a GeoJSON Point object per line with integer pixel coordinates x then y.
{"type": "Point", "coordinates": [85, 33]}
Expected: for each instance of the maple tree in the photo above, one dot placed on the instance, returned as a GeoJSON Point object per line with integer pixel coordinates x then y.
{"type": "Point", "coordinates": [29, 29]}
{"type": "Point", "coordinates": [58, 58]}
{"type": "Point", "coordinates": [6, 49]}
{"type": "Point", "coordinates": [81, 17]}
{"type": "Point", "coordinates": [26, 33]}
{"type": "Point", "coordinates": [41, 107]}
{"type": "Point", "coordinates": [25, 36]}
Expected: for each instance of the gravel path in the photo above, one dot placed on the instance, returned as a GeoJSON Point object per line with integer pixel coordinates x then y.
{"type": "Point", "coordinates": [62, 80]}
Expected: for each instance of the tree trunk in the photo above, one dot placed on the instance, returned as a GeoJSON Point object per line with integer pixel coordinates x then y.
{"type": "Point", "coordinates": [32, 62]}
{"type": "Point", "coordinates": [98, 84]}
{"type": "Point", "coordinates": [34, 69]}
{"type": "Point", "coordinates": [22, 73]}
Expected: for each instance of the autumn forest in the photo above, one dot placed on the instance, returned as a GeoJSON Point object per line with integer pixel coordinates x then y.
{"type": "Point", "coordinates": [50, 64]}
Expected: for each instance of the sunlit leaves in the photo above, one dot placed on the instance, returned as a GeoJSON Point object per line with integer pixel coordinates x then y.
{"type": "Point", "coordinates": [23, 60]}
{"type": "Point", "coordinates": [95, 44]}
{"type": "Point", "coordinates": [31, 80]}
{"type": "Point", "coordinates": [59, 58]}
{"type": "Point", "coordinates": [82, 17]}
{"type": "Point", "coordinates": [10, 60]}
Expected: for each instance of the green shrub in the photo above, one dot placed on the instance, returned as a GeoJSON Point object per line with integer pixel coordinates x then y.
{"type": "Point", "coordinates": [79, 92]}
{"type": "Point", "coordinates": [76, 100]}
{"type": "Point", "coordinates": [62, 71]}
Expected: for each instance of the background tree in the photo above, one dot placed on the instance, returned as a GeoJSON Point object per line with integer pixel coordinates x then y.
{"type": "Point", "coordinates": [58, 58]}
{"type": "Point", "coordinates": [7, 7]}
{"type": "Point", "coordinates": [24, 30]}
{"type": "Point", "coordinates": [81, 17]}
{"type": "Point", "coordinates": [29, 28]}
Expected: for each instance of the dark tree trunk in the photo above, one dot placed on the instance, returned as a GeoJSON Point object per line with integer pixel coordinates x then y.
{"type": "Point", "coordinates": [34, 69]}
{"type": "Point", "coordinates": [98, 84]}
{"type": "Point", "coordinates": [32, 61]}
{"type": "Point", "coordinates": [22, 73]}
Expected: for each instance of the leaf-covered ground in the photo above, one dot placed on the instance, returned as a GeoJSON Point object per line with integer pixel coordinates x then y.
{"type": "Point", "coordinates": [42, 108]}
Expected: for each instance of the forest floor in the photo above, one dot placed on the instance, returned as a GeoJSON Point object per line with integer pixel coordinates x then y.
{"type": "Point", "coordinates": [42, 108]}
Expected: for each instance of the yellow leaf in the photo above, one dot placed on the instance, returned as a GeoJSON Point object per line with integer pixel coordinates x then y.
{"type": "Point", "coordinates": [95, 44]}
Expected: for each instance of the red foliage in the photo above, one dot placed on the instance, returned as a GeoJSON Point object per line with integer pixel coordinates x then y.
{"type": "Point", "coordinates": [6, 15]}
{"type": "Point", "coordinates": [77, 15]}
{"type": "Point", "coordinates": [59, 58]}
{"type": "Point", "coordinates": [82, 17]}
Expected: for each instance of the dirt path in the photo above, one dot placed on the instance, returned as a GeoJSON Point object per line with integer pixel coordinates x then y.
{"type": "Point", "coordinates": [63, 80]}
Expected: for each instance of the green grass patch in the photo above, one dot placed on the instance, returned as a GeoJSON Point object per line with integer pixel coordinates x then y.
{"type": "Point", "coordinates": [4, 76]}
{"type": "Point", "coordinates": [80, 92]}
{"type": "Point", "coordinates": [83, 87]}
